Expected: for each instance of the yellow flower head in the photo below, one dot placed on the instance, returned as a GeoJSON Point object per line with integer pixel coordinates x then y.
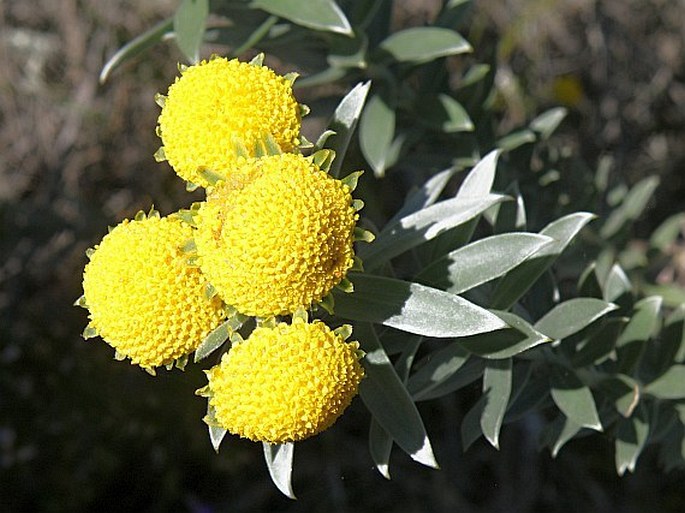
{"type": "Point", "coordinates": [278, 241]}
{"type": "Point", "coordinates": [285, 383]}
{"type": "Point", "coordinates": [217, 103]}
{"type": "Point", "coordinates": [143, 299]}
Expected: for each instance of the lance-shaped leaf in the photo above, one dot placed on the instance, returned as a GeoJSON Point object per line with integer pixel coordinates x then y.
{"type": "Point", "coordinates": [380, 447]}
{"type": "Point", "coordinates": [568, 431]}
{"type": "Point", "coordinates": [667, 232]}
{"type": "Point", "coordinates": [631, 436]}
{"type": "Point", "coordinates": [423, 44]}
{"type": "Point", "coordinates": [512, 141]}
{"type": "Point", "coordinates": [616, 284]}
{"type": "Point", "coordinates": [344, 122]}
{"type": "Point", "coordinates": [189, 27]}
{"type": "Point", "coordinates": [558, 432]}
{"type": "Point", "coordinates": [478, 183]}
{"type": "Point", "coordinates": [279, 461]}
{"type": "Point", "coordinates": [317, 14]}
{"type": "Point", "coordinates": [216, 433]}
{"type": "Point", "coordinates": [510, 216]}
{"type": "Point", "coordinates": [137, 46]}
{"type": "Point", "coordinates": [380, 442]}
{"type": "Point", "coordinates": [424, 225]}
{"type": "Point", "coordinates": [496, 390]}
{"type": "Point", "coordinates": [481, 261]}
{"type": "Point", "coordinates": [436, 368]}
{"type": "Point", "coordinates": [574, 399]}
{"type": "Point", "coordinates": [213, 341]}
{"type": "Point", "coordinates": [642, 325]}
{"type": "Point", "coordinates": [218, 336]}
{"type": "Point", "coordinates": [670, 385]}
{"type": "Point", "coordinates": [632, 207]}
{"type": "Point", "coordinates": [449, 382]}
{"type": "Point", "coordinates": [388, 400]}
{"type": "Point", "coordinates": [413, 308]}
{"type": "Point", "coordinates": [446, 114]}
{"type": "Point", "coordinates": [519, 337]}
{"type": "Point", "coordinates": [600, 344]}
{"type": "Point", "coordinates": [474, 74]}
{"type": "Point", "coordinates": [573, 315]}
{"type": "Point", "coordinates": [376, 133]}
{"type": "Point", "coordinates": [476, 186]}
{"type": "Point", "coordinates": [424, 196]}
{"type": "Point", "coordinates": [547, 122]}
{"type": "Point", "coordinates": [515, 283]}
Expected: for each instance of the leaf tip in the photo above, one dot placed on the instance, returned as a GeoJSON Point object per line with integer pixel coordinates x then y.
{"type": "Point", "coordinates": [425, 455]}
{"type": "Point", "coordinates": [384, 470]}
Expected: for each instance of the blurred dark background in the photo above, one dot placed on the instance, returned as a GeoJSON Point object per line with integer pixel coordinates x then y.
{"type": "Point", "coordinates": [82, 432]}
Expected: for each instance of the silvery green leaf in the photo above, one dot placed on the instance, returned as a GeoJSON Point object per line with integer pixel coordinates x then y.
{"type": "Point", "coordinates": [574, 399]}
{"type": "Point", "coordinates": [631, 437]}
{"type": "Point", "coordinates": [413, 308]}
{"type": "Point", "coordinates": [316, 14]}
{"type": "Point", "coordinates": [387, 399]}
{"type": "Point", "coordinates": [136, 46]}
{"type": "Point", "coordinates": [423, 44]}
{"type": "Point", "coordinates": [344, 122]}
{"type": "Point", "coordinates": [517, 282]}
{"type": "Point", "coordinates": [481, 261]}
{"type": "Point", "coordinates": [631, 207]}
{"type": "Point", "coordinates": [279, 461]}
{"type": "Point", "coordinates": [376, 133]}
{"type": "Point", "coordinates": [496, 390]}
{"type": "Point", "coordinates": [478, 183]}
{"type": "Point", "coordinates": [424, 225]}
{"type": "Point", "coordinates": [380, 447]}
{"type": "Point", "coordinates": [189, 27]}
{"type": "Point", "coordinates": [571, 316]}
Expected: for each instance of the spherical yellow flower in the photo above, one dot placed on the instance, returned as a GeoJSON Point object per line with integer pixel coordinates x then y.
{"type": "Point", "coordinates": [285, 383]}
{"type": "Point", "coordinates": [143, 298]}
{"type": "Point", "coordinates": [278, 241]}
{"type": "Point", "coordinates": [214, 104]}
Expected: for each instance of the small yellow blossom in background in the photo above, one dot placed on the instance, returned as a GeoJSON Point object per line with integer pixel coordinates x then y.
{"type": "Point", "coordinates": [279, 241]}
{"type": "Point", "coordinates": [568, 90]}
{"type": "Point", "coordinates": [214, 104]}
{"type": "Point", "coordinates": [143, 298]}
{"type": "Point", "coordinates": [286, 383]}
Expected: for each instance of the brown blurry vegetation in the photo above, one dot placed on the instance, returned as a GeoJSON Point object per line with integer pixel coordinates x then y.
{"type": "Point", "coordinates": [77, 430]}
{"type": "Point", "coordinates": [617, 65]}
{"type": "Point", "coordinates": [73, 154]}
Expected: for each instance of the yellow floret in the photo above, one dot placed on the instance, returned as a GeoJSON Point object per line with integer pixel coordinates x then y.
{"type": "Point", "coordinates": [280, 241]}
{"type": "Point", "coordinates": [143, 298]}
{"type": "Point", "coordinates": [285, 383]}
{"type": "Point", "coordinates": [218, 102]}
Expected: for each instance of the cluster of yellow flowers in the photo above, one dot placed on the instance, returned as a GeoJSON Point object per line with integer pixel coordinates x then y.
{"type": "Point", "coordinates": [272, 239]}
